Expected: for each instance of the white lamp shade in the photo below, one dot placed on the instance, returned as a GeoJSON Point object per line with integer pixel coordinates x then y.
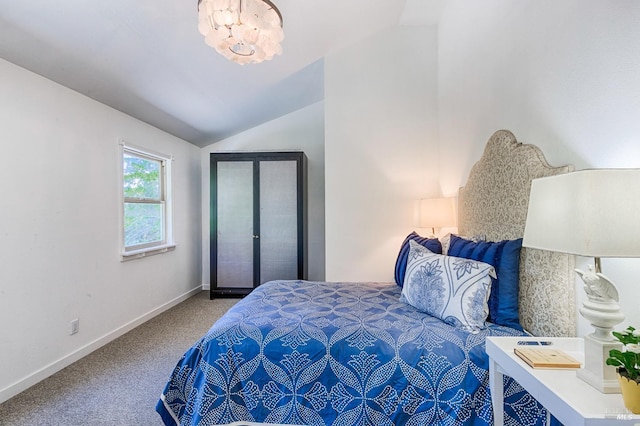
{"type": "Point", "coordinates": [593, 213]}
{"type": "Point", "coordinates": [436, 213]}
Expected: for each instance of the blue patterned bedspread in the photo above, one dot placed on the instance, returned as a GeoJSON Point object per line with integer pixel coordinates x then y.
{"type": "Point", "coordinates": [317, 353]}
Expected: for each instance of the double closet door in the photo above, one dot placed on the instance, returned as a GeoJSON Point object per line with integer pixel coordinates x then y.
{"type": "Point", "coordinates": [258, 213]}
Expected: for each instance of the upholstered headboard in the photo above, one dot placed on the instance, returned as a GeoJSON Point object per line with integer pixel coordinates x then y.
{"type": "Point", "coordinates": [493, 204]}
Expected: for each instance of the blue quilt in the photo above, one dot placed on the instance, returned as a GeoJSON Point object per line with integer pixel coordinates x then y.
{"type": "Point", "coordinates": [343, 354]}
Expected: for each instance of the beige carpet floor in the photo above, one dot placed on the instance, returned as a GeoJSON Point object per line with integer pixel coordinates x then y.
{"type": "Point", "coordinates": [120, 383]}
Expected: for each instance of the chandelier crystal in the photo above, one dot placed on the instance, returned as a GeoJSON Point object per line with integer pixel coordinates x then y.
{"type": "Point", "coordinates": [243, 31]}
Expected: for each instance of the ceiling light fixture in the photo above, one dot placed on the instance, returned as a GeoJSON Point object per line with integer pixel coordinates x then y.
{"type": "Point", "coordinates": [243, 31]}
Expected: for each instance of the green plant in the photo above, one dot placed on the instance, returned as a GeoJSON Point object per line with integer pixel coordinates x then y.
{"type": "Point", "coordinates": [628, 360]}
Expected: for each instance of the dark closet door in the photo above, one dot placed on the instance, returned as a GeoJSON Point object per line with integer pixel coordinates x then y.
{"type": "Point", "coordinates": [258, 212]}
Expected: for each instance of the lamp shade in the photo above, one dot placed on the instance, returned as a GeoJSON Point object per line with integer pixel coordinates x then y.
{"type": "Point", "coordinates": [593, 213]}
{"type": "Point", "coordinates": [436, 213]}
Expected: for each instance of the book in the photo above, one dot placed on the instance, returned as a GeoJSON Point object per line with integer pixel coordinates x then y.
{"type": "Point", "coordinates": [547, 358]}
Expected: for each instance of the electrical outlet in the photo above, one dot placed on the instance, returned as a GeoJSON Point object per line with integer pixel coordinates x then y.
{"type": "Point", "coordinates": [75, 326]}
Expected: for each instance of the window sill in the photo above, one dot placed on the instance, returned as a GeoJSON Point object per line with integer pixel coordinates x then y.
{"type": "Point", "coordinates": [151, 251]}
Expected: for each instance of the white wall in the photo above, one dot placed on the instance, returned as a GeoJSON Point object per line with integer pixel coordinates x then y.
{"type": "Point", "coordinates": [299, 131]}
{"type": "Point", "coordinates": [380, 148]}
{"type": "Point", "coordinates": [561, 75]}
{"type": "Point", "coordinates": [59, 228]}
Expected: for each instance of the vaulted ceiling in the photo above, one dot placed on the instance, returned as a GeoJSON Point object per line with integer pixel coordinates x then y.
{"type": "Point", "coordinates": [147, 59]}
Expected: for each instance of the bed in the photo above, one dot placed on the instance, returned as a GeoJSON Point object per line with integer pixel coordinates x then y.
{"type": "Point", "coordinates": [320, 353]}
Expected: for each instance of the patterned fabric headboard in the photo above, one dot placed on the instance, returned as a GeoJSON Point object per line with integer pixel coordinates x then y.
{"type": "Point", "coordinates": [493, 204]}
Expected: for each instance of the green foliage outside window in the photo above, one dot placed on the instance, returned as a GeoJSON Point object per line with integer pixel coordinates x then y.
{"type": "Point", "coordinates": [144, 207]}
{"type": "Point", "coordinates": [141, 178]}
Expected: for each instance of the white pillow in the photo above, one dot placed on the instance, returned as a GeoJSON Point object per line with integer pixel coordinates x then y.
{"type": "Point", "coordinates": [454, 289]}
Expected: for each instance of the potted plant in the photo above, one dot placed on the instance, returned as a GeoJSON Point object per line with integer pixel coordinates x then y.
{"type": "Point", "coordinates": [627, 363]}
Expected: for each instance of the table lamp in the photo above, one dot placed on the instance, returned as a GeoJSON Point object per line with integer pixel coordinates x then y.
{"type": "Point", "coordinates": [436, 213]}
{"type": "Point", "coordinates": [593, 213]}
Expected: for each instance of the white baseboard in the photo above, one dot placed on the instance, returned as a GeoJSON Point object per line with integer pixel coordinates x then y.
{"type": "Point", "coordinates": [206, 287]}
{"type": "Point", "coordinates": [30, 380]}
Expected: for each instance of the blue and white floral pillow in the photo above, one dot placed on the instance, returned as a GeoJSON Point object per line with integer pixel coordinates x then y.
{"type": "Point", "coordinates": [454, 289]}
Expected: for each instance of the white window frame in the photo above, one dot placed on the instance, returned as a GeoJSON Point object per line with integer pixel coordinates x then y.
{"type": "Point", "coordinates": [167, 244]}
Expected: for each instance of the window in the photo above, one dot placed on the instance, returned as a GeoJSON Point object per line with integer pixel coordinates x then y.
{"type": "Point", "coordinates": [146, 203]}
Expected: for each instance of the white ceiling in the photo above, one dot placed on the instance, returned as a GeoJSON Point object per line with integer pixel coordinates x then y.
{"type": "Point", "coordinates": [147, 59]}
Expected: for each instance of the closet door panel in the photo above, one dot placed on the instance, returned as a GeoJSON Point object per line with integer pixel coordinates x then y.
{"type": "Point", "coordinates": [278, 220]}
{"type": "Point", "coordinates": [235, 206]}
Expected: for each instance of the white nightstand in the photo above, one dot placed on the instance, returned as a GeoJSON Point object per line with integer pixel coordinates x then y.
{"type": "Point", "coordinates": [568, 398]}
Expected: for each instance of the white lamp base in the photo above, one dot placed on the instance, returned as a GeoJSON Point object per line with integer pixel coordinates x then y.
{"type": "Point", "coordinates": [602, 311]}
{"type": "Point", "coordinates": [595, 371]}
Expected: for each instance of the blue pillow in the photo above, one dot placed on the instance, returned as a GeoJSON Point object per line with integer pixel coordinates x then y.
{"type": "Point", "coordinates": [504, 256]}
{"type": "Point", "coordinates": [431, 244]}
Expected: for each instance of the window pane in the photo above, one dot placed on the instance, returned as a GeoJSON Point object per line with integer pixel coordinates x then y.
{"type": "Point", "coordinates": [143, 223]}
{"type": "Point", "coordinates": [141, 177]}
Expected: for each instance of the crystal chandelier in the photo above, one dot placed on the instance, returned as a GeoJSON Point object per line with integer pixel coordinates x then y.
{"type": "Point", "coordinates": [243, 31]}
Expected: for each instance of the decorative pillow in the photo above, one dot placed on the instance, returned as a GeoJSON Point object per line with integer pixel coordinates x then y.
{"type": "Point", "coordinates": [453, 289]}
{"type": "Point", "coordinates": [446, 241]}
{"type": "Point", "coordinates": [401, 262]}
{"type": "Point", "coordinates": [504, 256]}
